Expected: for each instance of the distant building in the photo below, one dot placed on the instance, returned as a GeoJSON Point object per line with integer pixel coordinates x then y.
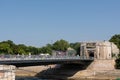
{"type": "Point", "coordinates": [98, 50]}
{"type": "Point", "coordinates": [58, 53]}
{"type": "Point", "coordinates": [70, 53]}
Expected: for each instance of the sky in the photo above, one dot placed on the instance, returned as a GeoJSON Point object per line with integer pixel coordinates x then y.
{"type": "Point", "coordinates": [39, 22]}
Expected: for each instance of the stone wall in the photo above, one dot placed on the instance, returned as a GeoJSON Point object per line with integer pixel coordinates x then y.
{"type": "Point", "coordinates": [7, 72]}
{"type": "Point", "coordinates": [101, 65]}
{"type": "Point", "coordinates": [98, 50]}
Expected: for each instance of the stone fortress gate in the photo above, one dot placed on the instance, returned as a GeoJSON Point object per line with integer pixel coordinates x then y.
{"type": "Point", "coordinates": [103, 53]}
{"type": "Point", "coordinates": [99, 50]}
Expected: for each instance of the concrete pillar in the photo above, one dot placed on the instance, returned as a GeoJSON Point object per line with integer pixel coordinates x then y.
{"type": "Point", "coordinates": [97, 52]}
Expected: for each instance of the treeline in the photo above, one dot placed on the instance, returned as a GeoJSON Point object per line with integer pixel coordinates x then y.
{"type": "Point", "coordinates": [9, 47]}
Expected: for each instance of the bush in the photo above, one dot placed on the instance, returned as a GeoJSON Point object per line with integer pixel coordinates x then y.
{"type": "Point", "coordinates": [118, 79]}
{"type": "Point", "coordinates": [118, 62]}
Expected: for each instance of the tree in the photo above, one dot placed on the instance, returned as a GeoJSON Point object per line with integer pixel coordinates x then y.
{"type": "Point", "coordinates": [5, 48]}
{"type": "Point", "coordinates": [76, 46]}
{"type": "Point", "coordinates": [20, 49]}
{"type": "Point", "coordinates": [116, 40]}
{"type": "Point", "coordinates": [46, 49]}
{"type": "Point", "coordinates": [9, 42]}
{"type": "Point", "coordinates": [61, 45]}
{"type": "Point", "coordinates": [32, 50]}
{"type": "Point", "coordinates": [118, 62]}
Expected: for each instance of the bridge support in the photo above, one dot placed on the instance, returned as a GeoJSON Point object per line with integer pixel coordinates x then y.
{"type": "Point", "coordinates": [102, 65]}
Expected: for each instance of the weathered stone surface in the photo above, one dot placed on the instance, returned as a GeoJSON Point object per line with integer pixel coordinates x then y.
{"type": "Point", "coordinates": [7, 72]}
{"type": "Point", "coordinates": [102, 65]}
{"type": "Point", "coordinates": [99, 50]}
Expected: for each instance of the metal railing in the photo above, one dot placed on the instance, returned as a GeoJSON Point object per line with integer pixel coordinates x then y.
{"type": "Point", "coordinates": [38, 57]}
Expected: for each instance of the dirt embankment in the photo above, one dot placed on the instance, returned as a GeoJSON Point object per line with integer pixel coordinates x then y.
{"type": "Point", "coordinates": [31, 70]}
{"type": "Point", "coordinates": [96, 75]}
{"type": "Point", "coordinates": [64, 72]}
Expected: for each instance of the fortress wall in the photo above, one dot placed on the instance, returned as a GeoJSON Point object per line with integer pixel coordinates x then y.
{"type": "Point", "coordinates": [101, 50]}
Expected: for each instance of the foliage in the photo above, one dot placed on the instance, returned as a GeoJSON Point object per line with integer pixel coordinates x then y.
{"type": "Point", "coordinates": [46, 50]}
{"type": "Point", "coordinates": [76, 46]}
{"type": "Point", "coordinates": [116, 39]}
{"type": "Point", "coordinates": [61, 45]}
{"type": "Point", "coordinates": [9, 47]}
{"type": "Point", "coordinates": [32, 50]}
{"type": "Point", "coordinates": [118, 62]}
{"type": "Point", "coordinates": [5, 48]}
{"type": "Point", "coordinates": [118, 79]}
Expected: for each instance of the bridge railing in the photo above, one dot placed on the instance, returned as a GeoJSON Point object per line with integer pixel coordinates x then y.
{"type": "Point", "coordinates": [38, 57]}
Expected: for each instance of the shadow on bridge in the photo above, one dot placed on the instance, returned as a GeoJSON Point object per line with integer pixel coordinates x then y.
{"type": "Point", "coordinates": [63, 71]}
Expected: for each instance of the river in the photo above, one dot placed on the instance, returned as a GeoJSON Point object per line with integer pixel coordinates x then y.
{"type": "Point", "coordinates": [31, 78]}
{"type": "Point", "coordinates": [28, 78]}
{"type": "Point", "coordinates": [56, 72]}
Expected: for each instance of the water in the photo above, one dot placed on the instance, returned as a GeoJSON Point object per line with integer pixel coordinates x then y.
{"type": "Point", "coordinates": [28, 78]}
{"type": "Point", "coordinates": [32, 78]}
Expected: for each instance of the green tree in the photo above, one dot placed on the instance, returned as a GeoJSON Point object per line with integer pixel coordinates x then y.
{"type": "Point", "coordinates": [5, 48]}
{"type": "Point", "coordinates": [9, 42]}
{"type": "Point", "coordinates": [116, 40]}
{"type": "Point", "coordinates": [49, 45]}
{"type": "Point", "coordinates": [20, 49]}
{"type": "Point", "coordinates": [76, 46]}
{"type": "Point", "coordinates": [61, 45]}
{"type": "Point", "coordinates": [46, 49]}
{"type": "Point", "coordinates": [118, 62]}
{"type": "Point", "coordinates": [49, 48]}
{"type": "Point", "coordinates": [32, 50]}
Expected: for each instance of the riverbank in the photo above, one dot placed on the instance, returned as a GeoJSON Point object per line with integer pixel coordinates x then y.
{"type": "Point", "coordinates": [31, 70]}
{"type": "Point", "coordinates": [67, 72]}
{"type": "Point", "coordinates": [96, 75]}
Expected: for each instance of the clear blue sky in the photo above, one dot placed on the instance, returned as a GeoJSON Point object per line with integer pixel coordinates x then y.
{"type": "Point", "coordinates": [38, 22]}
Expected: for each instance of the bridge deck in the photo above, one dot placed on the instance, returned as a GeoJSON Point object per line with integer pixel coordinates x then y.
{"type": "Point", "coordinates": [20, 62]}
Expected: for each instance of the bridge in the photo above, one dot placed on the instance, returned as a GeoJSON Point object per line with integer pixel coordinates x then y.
{"type": "Point", "coordinates": [88, 51]}
{"type": "Point", "coordinates": [34, 60]}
